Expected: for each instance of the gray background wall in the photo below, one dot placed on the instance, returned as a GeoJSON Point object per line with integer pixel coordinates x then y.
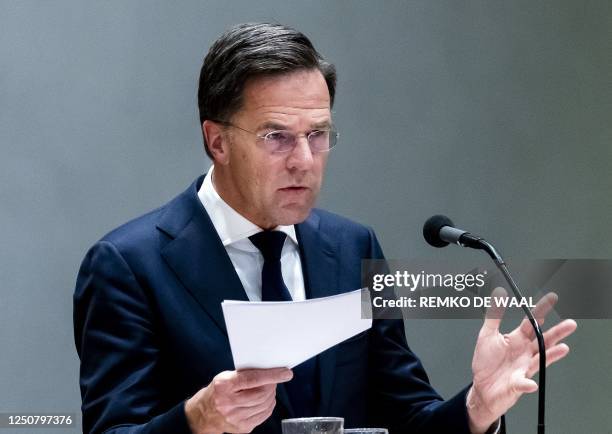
{"type": "Point", "coordinates": [496, 113]}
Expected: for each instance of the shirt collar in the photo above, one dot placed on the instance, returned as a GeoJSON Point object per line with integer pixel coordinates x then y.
{"type": "Point", "coordinates": [232, 226]}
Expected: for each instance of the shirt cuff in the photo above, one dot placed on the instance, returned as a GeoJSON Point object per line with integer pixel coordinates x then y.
{"type": "Point", "coordinates": [494, 428]}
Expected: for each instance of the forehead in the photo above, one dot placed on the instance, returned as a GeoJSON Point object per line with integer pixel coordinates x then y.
{"type": "Point", "coordinates": [291, 99]}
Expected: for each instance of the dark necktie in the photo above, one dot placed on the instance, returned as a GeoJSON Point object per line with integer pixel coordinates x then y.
{"type": "Point", "coordinates": [270, 244]}
{"type": "Point", "coordinates": [302, 389]}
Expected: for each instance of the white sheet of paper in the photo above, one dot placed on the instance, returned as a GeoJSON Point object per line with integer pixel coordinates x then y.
{"type": "Point", "coordinates": [286, 333]}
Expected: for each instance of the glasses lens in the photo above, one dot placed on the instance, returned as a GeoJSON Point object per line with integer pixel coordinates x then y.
{"type": "Point", "coordinates": [280, 141]}
{"type": "Point", "coordinates": [333, 138]}
{"type": "Point", "coordinates": [285, 141]}
{"type": "Point", "coordinates": [319, 141]}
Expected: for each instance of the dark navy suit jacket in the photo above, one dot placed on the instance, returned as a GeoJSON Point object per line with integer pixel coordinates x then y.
{"type": "Point", "coordinates": [150, 333]}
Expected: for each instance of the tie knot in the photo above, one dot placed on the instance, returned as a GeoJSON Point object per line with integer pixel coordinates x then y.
{"type": "Point", "coordinates": [269, 243]}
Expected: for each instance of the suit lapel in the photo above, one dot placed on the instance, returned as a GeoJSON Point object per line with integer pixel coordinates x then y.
{"type": "Point", "coordinates": [320, 269]}
{"type": "Point", "coordinates": [198, 257]}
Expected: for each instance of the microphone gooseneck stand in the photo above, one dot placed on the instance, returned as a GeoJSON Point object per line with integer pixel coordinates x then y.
{"type": "Point", "coordinates": [475, 242]}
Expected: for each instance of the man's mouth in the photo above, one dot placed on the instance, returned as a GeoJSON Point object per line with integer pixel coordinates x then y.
{"type": "Point", "coordinates": [294, 189]}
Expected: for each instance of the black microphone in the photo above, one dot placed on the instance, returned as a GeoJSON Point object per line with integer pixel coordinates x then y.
{"type": "Point", "coordinates": [440, 231]}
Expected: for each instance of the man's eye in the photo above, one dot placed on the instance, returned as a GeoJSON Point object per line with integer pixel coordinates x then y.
{"type": "Point", "coordinates": [273, 135]}
{"type": "Point", "coordinates": [280, 137]}
{"type": "Point", "coordinates": [318, 133]}
{"type": "Point", "coordinates": [319, 137]}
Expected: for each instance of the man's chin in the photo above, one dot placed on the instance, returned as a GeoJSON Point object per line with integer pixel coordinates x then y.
{"type": "Point", "coordinates": [293, 215]}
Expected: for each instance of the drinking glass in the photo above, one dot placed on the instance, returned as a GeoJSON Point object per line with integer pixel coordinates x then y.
{"type": "Point", "coordinates": [313, 425]}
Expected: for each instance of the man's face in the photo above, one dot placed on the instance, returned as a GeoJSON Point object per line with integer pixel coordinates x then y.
{"type": "Point", "coordinates": [275, 189]}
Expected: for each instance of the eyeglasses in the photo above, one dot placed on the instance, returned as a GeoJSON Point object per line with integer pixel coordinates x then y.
{"type": "Point", "coordinates": [283, 141]}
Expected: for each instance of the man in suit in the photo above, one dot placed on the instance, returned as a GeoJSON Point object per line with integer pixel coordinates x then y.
{"type": "Point", "coordinates": [149, 329]}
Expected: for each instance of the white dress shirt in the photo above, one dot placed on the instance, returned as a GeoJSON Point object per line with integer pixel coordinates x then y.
{"type": "Point", "coordinates": [235, 230]}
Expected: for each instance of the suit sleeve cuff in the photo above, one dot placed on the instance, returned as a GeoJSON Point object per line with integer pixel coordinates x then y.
{"type": "Point", "coordinates": [174, 421]}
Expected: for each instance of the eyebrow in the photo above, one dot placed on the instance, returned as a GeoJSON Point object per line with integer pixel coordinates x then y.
{"type": "Point", "coordinates": [323, 124]}
{"type": "Point", "coordinates": [271, 125]}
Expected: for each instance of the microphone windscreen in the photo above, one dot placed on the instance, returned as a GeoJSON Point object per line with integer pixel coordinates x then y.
{"type": "Point", "coordinates": [431, 230]}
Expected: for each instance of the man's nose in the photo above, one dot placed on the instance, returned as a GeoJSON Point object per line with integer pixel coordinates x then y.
{"type": "Point", "coordinates": [300, 157]}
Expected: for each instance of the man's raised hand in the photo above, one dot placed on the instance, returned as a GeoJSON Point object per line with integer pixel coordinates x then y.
{"type": "Point", "coordinates": [504, 364]}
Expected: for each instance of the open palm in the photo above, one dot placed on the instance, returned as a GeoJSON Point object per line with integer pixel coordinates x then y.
{"type": "Point", "coordinates": [504, 364]}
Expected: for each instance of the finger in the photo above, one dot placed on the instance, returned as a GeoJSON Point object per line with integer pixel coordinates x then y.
{"type": "Point", "coordinates": [495, 312]}
{"type": "Point", "coordinates": [238, 416]}
{"type": "Point", "coordinates": [254, 396]}
{"type": "Point", "coordinates": [541, 309]}
{"type": "Point", "coordinates": [555, 334]}
{"type": "Point", "coordinates": [250, 378]}
{"type": "Point", "coordinates": [524, 385]}
{"type": "Point", "coordinates": [553, 355]}
{"type": "Point", "coordinates": [259, 418]}
{"type": "Point", "coordinates": [223, 382]}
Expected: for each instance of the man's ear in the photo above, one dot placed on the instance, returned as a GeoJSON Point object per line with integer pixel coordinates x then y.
{"type": "Point", "coordinates": [216, 140]}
